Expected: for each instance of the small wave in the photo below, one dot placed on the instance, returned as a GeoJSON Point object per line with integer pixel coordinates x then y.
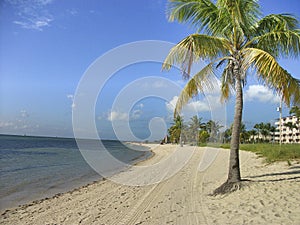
{"type": "Point", "coordinates": [32, 167]}
{"type": "Point", "coordinates": [7, 152]}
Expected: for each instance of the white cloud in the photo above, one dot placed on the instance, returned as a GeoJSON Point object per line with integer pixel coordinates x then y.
{"type": "Point", "coordinates": [20, 122]}
{"type": "Point", "coordinates": [71, 97]}
{"type": "Point", "coordinates": [123, 116]}
{"type": "Point", "coordinates": [32, 14]}
{"type": "Point", "coordinates": [153, 84]}
{"type": "Point", "coordinates": [34, 3]}
{"type": "Point", "coordinates": [260, 93]}
{"type": "Point", "coordinates": [117, 116]}
{"type": "Point", "coordinates": [172, 104]}
{"type": "Point", "coordinates": [136, 114]}
{"type": "Point", "coordinates": [141, 105]}
{"type": "Point", "coordinates": [214, 101]}
{"type": "Point", "coordinates": [181, 82]}
{"type": "Point", "coordinates": [159, 84]}
{"type": "Point", "coordinates": [43, 2]}
{"type": "Point", "coordinates": [24, 113]}
{"type": "Point", "coordinates": [196, 106]}
{"type": "Point", "coordinates": [73, 12]}
{"type": "Point", "coordinates": [35, 24]}
{"type": "Point", "coordinates": [18, 125]}
{"type": "Point", "coordinates": [199, 106]}
{"type": "Point", "coordinates": [6, 124]}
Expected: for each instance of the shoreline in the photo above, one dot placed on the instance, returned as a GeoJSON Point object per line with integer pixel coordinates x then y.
{"type": "Point", "coordinates": [101, 179]}
{"type": "Point", "coordinates": [74, 187]}
{"type": "Point", "coordinates": [272, 197]}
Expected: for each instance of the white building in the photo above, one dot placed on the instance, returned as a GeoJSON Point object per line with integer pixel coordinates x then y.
{"type": "Point", "coordinates": [286, 132]}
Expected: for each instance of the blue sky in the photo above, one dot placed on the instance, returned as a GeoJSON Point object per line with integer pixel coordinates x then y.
{"type": "Point", "coordinates": [47, 45]}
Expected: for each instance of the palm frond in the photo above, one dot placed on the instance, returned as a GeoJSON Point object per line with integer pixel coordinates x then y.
{"type": "Point", "coordinates": [198, 13]}
{"type": "Point", "coordinates": [240, 16]}
{"type": "Point", "coordinates": [204, 80]}
{"type": "Point", "coordinates": [278, 35]}
{"type": "Point", "coordinates": [192, 48]}
{"type": "Point", "coordinates": [272, 74]}
{"type": "Point", "coordinates": [276, 22]}
{"type": "Point", "coordinates": [216, 19]}
{"type": "Point", "coordinates": [227, 81]}
{"type": "Point", "coordinates": [280, 43]}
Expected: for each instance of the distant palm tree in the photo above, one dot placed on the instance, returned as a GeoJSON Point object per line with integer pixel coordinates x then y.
{"type": "Point", "coordinates": [213, 129]}
{"type": "Point", "coordinates": [203, 136]}
{"type": "Point", "coordinates": [239, 42]}
{"type": "Point", "coordinates": [244, 136]}
{"type": "Point", "coordinates": [176, 129]}
{"type": "Point", "coordinates": [227, 135]}
{"type": "Point", "coordinates": [195, 125]}
{"type": "Point", "coordinates": [259, 127]}
{"type": "Point", "coordinates": [252, 134]}
{"type": "Point", "coordinates": [266, 131]}
{"type": "Point", "coordinates": [272, 132]}
{"type": "Point", "coordinates": [242, 132]}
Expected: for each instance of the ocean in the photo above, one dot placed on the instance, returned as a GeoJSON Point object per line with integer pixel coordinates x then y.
{"type": "Point", "coordinates": [33, 168]}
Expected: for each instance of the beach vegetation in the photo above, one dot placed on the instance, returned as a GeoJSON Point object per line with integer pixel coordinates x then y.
{"type": "Point", "coordinates": [236, 41]}
{"type": "Point", "coordinates": [272, 152]}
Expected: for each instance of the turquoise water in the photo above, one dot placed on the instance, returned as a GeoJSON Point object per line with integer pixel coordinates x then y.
{"type": "Point", "coordinates": [32, 168]}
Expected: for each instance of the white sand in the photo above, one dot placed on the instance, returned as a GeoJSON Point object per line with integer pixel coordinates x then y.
{"type": "Point", "coordinates": [271, 198]}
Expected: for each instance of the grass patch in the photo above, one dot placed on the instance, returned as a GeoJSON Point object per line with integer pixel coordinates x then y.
{"type": "Point", "coordinates": [272, 152]}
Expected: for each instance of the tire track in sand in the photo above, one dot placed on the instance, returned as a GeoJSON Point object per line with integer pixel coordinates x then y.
{"type": "Point", "coordinates": [192, 213]}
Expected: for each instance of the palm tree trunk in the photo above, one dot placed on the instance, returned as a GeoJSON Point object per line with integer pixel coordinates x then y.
{"type": "Point", "coordinates": [234, 174]}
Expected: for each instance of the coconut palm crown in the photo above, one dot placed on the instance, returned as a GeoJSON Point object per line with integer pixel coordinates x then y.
{"type": "Point", "coordinates": [236, 42]}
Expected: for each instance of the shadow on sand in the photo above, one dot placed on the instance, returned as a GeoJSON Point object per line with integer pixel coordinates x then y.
{"type": "Point", "coordinates": [278, 176]}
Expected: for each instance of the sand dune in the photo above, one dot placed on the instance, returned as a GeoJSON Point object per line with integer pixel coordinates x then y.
{"type": "Point", "coordinates": [272, 196]}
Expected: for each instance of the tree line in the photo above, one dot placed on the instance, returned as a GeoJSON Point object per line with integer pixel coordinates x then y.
{"type": "Point", "coordinates": [197, 132]}
{"type": "Point", "coordinates": [194, 132]}
{"type": "Point", "coordinates": [261, 133]}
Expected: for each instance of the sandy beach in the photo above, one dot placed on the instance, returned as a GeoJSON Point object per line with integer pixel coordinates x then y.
{"type": "Point", "coordinates": [272, 196]}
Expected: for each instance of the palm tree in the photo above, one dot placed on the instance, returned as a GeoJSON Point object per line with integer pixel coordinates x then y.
{"type": "Point", "coordinates": [176, 129]}
{"type": "Point", "coordinates": [203, 136]}
{"type": "Point", "coordinates": [242, 132]}
{"type": "Point", "coordinates": [272, 131]}
{"type": "Point", "coordinates": [238, 42]}
{"type": "Point", "coordinates": [266, 131]}
{"type": "Point", "coordinates": [244, 136]}
{"type": "Point", "coordinates": [213, 129]}
{"type": "Point", "coordinates": [227, 135]}
{"type": "Point", "coordinates": [252, 134]}
{"type": "Point", "coordinates": [194, 127]}
{"type": "Point", "coordinates": [260, 130]}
